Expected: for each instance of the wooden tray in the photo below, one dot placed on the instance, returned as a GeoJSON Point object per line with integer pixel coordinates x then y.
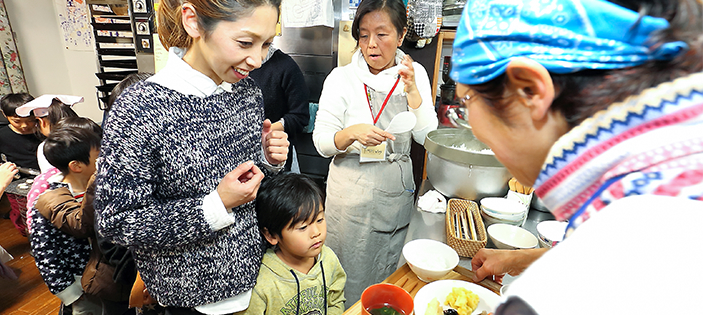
{"type": "Point", "coordinates": [405, 278]}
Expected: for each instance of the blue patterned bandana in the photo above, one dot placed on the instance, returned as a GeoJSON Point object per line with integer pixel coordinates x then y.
{"type": "Point", "coordinates": [564, 36]}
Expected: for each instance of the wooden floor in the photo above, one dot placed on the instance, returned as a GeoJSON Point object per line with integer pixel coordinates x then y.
{"type": "Point", "coordinates": [28, 294]}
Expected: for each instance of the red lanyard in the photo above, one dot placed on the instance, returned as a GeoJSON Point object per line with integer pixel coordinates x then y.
{"type": "Point", "coordinates": [366, 90]}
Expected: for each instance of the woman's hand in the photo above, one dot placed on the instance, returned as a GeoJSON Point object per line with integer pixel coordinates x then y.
{"type": "Point", "coordinates": [407, 74]}
{"type": "Point", "coordinates": [275, 144]}
{"type": "Point", "coordinates": [497, 262]}
{"type": "Point", "coordinates": [240, 185]}
{"type": "Point", "coordinates": [7, 173]}
{"type": "Point", "coordinates": [367, 135]}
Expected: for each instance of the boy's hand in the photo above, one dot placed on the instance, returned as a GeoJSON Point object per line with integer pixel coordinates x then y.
{"type": "Point", "coordinates": [275, 144]}
{"type": "Point", "coordinates": [240, 185]}
{"type": "Point", "coordinates": [7, 173]}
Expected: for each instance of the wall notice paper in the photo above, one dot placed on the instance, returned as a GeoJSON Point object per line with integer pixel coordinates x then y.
{"type": "Point", "coordinates": [74, 24]}
{"type": "Point", "coordinates": [306, 13]}
{"type": "Point", "coordinates": [346, 44]}
{"type": "Point", "coordinates": [160, 54]}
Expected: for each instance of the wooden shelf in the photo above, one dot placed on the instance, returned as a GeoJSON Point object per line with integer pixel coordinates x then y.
{"type": "Point", "coordinates": [443, 36]}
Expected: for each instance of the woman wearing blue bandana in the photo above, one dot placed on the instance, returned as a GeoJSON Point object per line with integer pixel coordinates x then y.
{"type": "Point", "coordinates": [370, 196]}
{"type": "Point", "coordinates": [599, 106]}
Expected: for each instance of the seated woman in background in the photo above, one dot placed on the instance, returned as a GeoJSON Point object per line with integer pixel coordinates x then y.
{"type": "Point", "coordinates": [601, 110]}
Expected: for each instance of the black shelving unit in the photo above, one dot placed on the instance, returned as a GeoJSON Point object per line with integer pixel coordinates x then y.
{"type": "Point", "coordinates": [114, 44]}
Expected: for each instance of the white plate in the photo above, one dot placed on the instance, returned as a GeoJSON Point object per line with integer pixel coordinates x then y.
{"type": "Point", "coordinates": [488, 301]}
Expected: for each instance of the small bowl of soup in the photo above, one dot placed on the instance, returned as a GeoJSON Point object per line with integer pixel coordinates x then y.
{"type": "Point", "coordinates": [386, 299]}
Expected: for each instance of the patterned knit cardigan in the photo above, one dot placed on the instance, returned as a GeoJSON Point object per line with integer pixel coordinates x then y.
{"type": "Point", "coordinates": [651, 143]}
{"type": "Point", "coordinates": [162, 152]}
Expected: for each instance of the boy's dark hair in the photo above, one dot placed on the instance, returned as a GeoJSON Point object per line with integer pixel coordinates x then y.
{"type": "Point", "coordinates": [125, 83]}
{"type": "Point", "coordinates": [286, 200]}
{"type": "Point", "coordinates": [71, 140]}
{"type": "Point", "coordinates": [10, 102]}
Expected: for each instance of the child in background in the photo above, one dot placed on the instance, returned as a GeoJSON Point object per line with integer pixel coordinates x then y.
{"type": "Point", "coordinates": [17, 140]}
{"type": "Point", "coordinates": [299, 275]}
{"type": "Point", "coordinates": [61, 254]}
{"type": "Point", "coordinates": [48, 110]}
{"type": "Point", "coordinates": [18, 144]}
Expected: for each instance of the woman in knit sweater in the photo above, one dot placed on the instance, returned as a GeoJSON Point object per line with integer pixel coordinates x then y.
{"type": "Point", "coordinates": [183, 155]}
{"type": "Point", "coordinates": [601, 110]}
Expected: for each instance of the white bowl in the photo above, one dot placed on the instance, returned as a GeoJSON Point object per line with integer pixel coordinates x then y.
{"type": "Point", "coordinates": [551, 232]}
{"type": "Point", "coordinates": [505, 209]}
{"type": "Point", "coordinates": [489, 220]}
{"type": "Point", "coordinates": [430, 260]}
{"type": "Point", "coordinates": [543, 244]}
{"type": "Point", "coordinates": [502, 216]}
{"type": "Point", "coordinates": [505, 236]}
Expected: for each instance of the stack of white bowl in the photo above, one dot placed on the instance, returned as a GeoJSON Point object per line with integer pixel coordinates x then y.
{"type": "Point", "coordinates": [500, 210]}
{"type": "Point", "coordinates": [551, 232]}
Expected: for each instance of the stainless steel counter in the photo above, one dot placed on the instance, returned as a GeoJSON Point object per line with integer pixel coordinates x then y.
{"type": "Point", "coordinates": [425, 225]}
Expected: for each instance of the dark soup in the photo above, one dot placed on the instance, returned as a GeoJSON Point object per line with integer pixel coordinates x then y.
{"type": "Point", "coordinates": [384, 309]}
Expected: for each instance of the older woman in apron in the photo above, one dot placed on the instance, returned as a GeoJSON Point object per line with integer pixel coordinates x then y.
{"type": "Point", "coordinates": [370, 184]}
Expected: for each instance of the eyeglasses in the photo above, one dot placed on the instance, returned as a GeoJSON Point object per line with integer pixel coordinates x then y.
{"type": "Point", "coordinates": [460, 115]}
{"type": "Point", "coordinates": [464, 101]}
{"type": "Point", "coordinates": [469, 97]}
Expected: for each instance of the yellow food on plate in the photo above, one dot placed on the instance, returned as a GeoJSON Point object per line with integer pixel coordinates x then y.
{"type": "Point", "coordinates": [434, 308]}
{"type": "Point", "coordinates": [462, 300]}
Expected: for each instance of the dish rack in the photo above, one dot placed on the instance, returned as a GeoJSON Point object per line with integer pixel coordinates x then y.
{"type": "Point", "coordinates": [464, 246]}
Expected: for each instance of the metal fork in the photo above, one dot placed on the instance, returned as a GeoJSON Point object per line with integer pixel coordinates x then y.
{"type": "Point", "coordinates": [4, 160]}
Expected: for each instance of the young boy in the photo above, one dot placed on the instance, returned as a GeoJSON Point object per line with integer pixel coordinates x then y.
{"type": "Point", "coordinates": [17, 140]}
{"type": "Point", "coordinates": [299, 275]}
{"type": "Point", "coordinates": [58, 232]}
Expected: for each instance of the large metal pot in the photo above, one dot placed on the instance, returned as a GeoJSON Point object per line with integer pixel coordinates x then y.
{"type": "Point", "coordinates": [458, 165]}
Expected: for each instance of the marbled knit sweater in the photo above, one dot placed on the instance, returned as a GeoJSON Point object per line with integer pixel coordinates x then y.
{"type": "Point", "coordinates": [162, 152]}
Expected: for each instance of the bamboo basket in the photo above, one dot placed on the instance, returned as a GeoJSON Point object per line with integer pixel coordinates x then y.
{"type": "Point", "coordinates": [465, 247]}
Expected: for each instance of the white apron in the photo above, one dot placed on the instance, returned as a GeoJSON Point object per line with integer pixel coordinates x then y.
{"type": "Point", "coordinates": [368, 206]}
